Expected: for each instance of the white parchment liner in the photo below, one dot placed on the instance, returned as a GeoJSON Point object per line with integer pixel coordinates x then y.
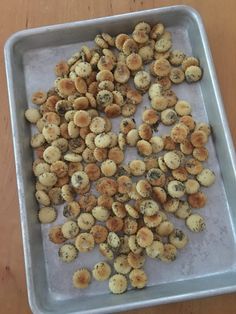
{"type": "Point", "coordinates": [201, 256]}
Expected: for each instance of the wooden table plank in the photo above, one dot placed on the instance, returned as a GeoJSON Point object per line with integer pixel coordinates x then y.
{"type": "Point", "coordinates": [219, 19]}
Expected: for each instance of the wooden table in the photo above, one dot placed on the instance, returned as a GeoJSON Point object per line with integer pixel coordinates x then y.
{"type": "Point", "coordinates": [219, 19]}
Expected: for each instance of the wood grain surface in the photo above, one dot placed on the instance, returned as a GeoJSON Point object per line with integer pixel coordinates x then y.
{"type": "Point", "coordinates": [220, 23]}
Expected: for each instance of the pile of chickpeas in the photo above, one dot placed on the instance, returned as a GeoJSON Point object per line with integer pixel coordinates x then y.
{"type": "Point", "coordinates": [129, 215]}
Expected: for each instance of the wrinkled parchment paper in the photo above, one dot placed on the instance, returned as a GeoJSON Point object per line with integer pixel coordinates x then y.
{"type": "Point", "coordinates": [201, 256]}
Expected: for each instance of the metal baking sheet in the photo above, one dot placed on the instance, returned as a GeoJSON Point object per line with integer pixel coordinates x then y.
{"type": "Point", "coordinates": [207, 266]}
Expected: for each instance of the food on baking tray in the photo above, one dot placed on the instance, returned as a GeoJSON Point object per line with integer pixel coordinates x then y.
{"type": "Point", "coordinates": [129, 215]}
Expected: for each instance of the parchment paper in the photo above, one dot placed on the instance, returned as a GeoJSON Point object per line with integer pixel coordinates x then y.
{"type": "Point", "coordinates": [201, 256]}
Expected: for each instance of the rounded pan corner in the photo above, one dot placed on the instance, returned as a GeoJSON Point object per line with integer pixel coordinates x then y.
{"type": "Point", "coordinates": [190, 11]}
{"type": "Point", "coordinates": [34, 303]}
{"type": "Point", "coordinates": [13, 39]}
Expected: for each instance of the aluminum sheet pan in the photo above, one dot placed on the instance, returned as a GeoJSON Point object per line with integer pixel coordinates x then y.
{"type": "Point", "coordinates": [207, 266]}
